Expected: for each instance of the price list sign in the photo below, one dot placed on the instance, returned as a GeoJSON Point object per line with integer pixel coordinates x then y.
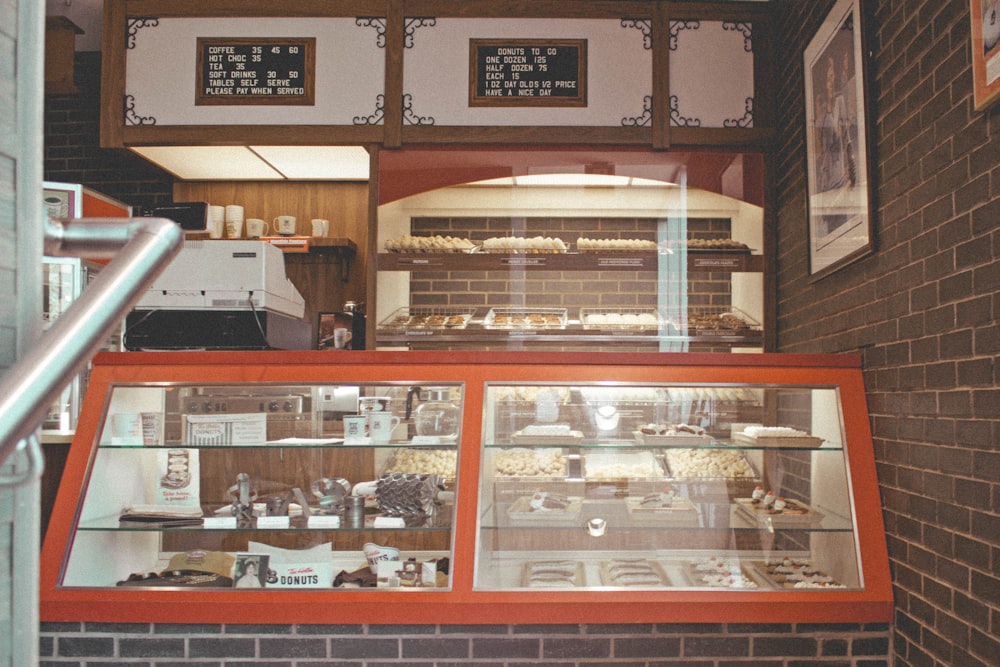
{"type": "Point", "coordinates": [527, 72]}
{"type": "Point", "coordinates": [256, 70]}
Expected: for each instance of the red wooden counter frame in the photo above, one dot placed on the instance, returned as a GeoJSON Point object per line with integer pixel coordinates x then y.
{"type": "Point", "coordinates": [461, 604]}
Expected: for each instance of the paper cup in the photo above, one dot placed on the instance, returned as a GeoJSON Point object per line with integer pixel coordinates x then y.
{"type": "Point", "coordinates": [234, 229]}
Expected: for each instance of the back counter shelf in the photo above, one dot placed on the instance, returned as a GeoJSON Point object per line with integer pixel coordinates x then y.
{"type": "Point", "coordinates": [469, 487]}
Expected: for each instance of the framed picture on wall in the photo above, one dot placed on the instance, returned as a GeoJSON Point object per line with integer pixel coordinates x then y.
{"type": "Point", "coordinates": [837, 152]}
{"type": "Point", "coordinates": [985, 52]}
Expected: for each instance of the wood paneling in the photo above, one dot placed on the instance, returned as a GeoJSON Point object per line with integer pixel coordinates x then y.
{"type": "Point", "coordinates": [317, 276]}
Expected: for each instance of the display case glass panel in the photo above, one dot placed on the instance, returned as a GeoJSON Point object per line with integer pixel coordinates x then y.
{"type": "Point", "coordinates": [300, 480]}
{"type": "Point", "coordinates": [653, 486]}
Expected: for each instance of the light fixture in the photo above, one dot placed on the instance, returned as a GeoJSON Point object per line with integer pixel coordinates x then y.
{"type": "Point", "coordinates": [260, 163]}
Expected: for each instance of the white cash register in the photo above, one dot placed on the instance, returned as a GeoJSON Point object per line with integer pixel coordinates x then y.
{"type": "Point", "coordinates": [221, 294]}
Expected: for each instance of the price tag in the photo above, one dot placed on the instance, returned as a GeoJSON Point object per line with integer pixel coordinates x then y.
{"type": "Point", "coordinates": [220, 522]}
{"type": "Point", "coordinates": [272, 522]}
{"type": "Point", "coordinates": [324, 521]}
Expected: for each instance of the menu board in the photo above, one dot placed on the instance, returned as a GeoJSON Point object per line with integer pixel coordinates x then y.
{"type": "Point", "coordinates": [256, 70]}
{"type": "Point", "coordinates": [527, 72]}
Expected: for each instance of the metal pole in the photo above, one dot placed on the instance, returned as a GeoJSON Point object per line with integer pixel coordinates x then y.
{"type": "Point", "coordinates": [141, 248]}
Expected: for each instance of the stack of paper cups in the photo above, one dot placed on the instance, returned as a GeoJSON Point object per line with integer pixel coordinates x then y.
{"type": "Point", "coordinates": [234, 221]}
{"type": "Point", "coordinates": [216, 221]}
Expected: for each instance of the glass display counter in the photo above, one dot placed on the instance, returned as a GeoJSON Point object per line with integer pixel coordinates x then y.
{"type": "Point", "coordinates": [469, 487]}
{"type": "Point", "coordinates": [653, 486]}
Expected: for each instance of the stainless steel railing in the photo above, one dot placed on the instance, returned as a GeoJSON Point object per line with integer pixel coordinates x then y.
{"type": "Point", "coordinates": [139, 249]}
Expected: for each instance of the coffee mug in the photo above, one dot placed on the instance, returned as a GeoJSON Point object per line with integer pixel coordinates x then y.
{"type": "Point", "coordinates": [320, 227]}
{"type": "Point", "coordinates": [381, 425]}
{"type": "Point", "coordinates": [284, 225]}
{"type": "Point", "coordinates": [368, 404]}
{"type": "Point", "coordinates": [256, 228]}
{"type": "Point", "coordinates": [354, 426]}
{"type": "Point", "coordinates": [341, 337]}
{"type": "Point", "coordinates": [126, 428]}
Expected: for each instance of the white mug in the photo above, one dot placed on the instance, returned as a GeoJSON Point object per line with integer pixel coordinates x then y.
{"type": "Point", "coordinates": [126, 428]}
{"type": "Point", "coordinates": [368, 404]}
{"type": "Point", "coordinates": [284, 225]}
{"type": "Point", "coordinates": [256, 228]}
{"type": "Point", "coordinates": [320, 227]}
{"type": "Point", "coordinates": [341, 337]}
{"type": "Point", "coordinates": [381, 425]}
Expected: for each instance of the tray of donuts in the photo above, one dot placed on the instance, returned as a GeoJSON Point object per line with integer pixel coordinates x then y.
{"type": "Point", "coordinates": [422, 318]}
{"type": "Point", "coordinates": [711, 471]}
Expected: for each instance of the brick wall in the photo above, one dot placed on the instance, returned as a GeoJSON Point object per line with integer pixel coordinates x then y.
{"type": "Point", "coordinates": [276, 645]}
{"type": "Point", "coordinates": [923, 311]}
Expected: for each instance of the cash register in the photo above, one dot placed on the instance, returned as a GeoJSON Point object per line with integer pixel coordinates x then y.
{"type": "Point", "coordinates": [221, 295]}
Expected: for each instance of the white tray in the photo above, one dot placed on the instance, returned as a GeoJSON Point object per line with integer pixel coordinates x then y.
{"type": "Point", "coordinates": [795, 513]}
{"type": "Point", "coordinates": [687, 440]}
{"type": "Point", "coordinates": [520, 512]}
{"type": "Point", "coordinates": [781, 442]}
{"type": "Point", "coordinates": [681, 513]}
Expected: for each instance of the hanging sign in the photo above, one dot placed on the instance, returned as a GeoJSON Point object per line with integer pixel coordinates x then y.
{"type": "Point", "coordinates": [527, 72]}
{"type": "Point", "coordinates": [256, 70]}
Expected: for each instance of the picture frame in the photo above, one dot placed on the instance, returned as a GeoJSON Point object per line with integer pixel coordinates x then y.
{"type": "Point", "coordinates": [250, 570]}
{"type": "Point", "coordinates": [838, 156]}
{"type": "Point", "coordinates": [985, 16]}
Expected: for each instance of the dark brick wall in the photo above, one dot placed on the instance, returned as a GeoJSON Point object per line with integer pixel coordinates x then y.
{"type": "Point", "coordinates": [801, 645]}
{"type": "Point", "coordinates": [923, 311]}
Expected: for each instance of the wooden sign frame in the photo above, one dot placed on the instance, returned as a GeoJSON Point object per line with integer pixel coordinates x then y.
{"type": "Point", "coordinates": [297, 86]}
{"type": "Point", "coordinates": [526, 73]}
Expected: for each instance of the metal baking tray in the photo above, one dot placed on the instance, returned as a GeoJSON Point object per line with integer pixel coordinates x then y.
{"type": "Point", "coordinates": [525, 318]}
{"type": "Point", "coordinates": [629, 319]}
{"type": "Point", "coordinates": [423, 318]}
{"type": "Point", "coordinates": [719, 321]}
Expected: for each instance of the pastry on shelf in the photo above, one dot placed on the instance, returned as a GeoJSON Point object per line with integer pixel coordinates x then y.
{"type": "Point", "coordinates": [545, 508]}
{"type": "Point", "coordinates": [697, 463]}
{"type": "Point", "coordinates": [553, 574]}
{"type": "Point", "coordinates": [720, 572]}
{"type": "Point", "coordinates": [662, 498]}
{"type": "Point", "coordinates": [792, 572]}
{"type": "Point", "coordinates": [776, 436]}
{"type": "Point", "coordinates": [523, 462]}
{"type": "Point", "coordinates": [772, 509]}
{"type": "Point", "coordinates": [521, 244]}
{"type": "Point", "coordinates": [716, 244]}
{"type": "Point", "coordinates": [631, 572]}
{"type": "Point", "coordinates": [584, 244]}
{"type": "Point", "coordinates": [408, 243]}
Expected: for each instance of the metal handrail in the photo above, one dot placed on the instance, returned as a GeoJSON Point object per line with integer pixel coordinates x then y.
{"type": "Point", "coordinates": [139, 249]}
